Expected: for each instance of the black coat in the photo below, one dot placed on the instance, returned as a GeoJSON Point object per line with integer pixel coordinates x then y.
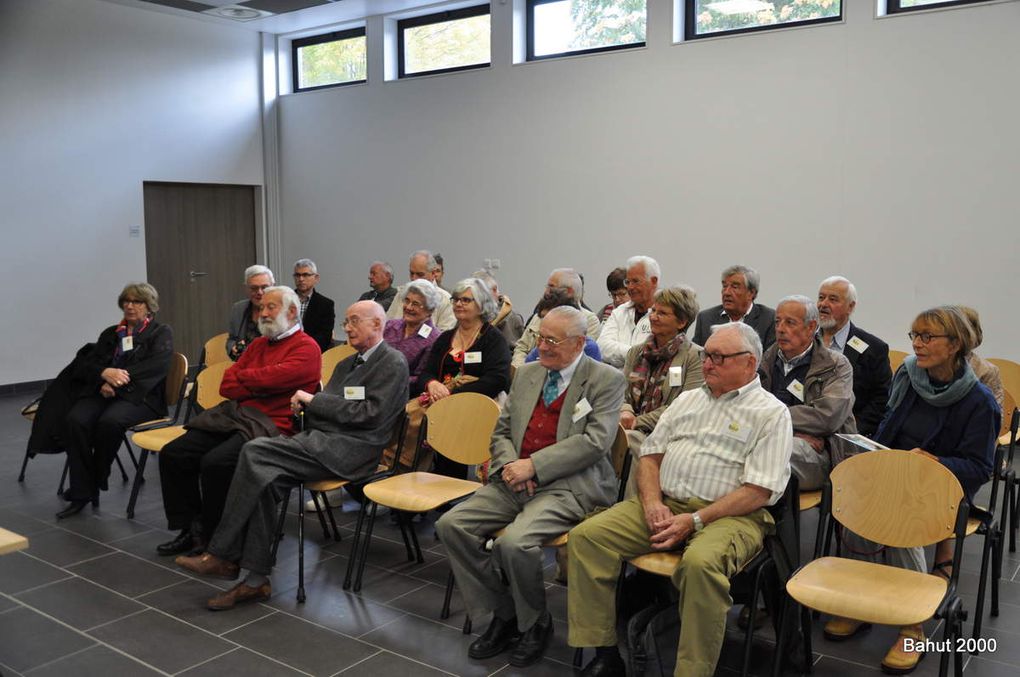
{"type": "Point", "coordinates": [761, 318]}
{"type": "Point", "coordinates": [319, 319]}
{"type": "Point", "coordinates": [872, 376]}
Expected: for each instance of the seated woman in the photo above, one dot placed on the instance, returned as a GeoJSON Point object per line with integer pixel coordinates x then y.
{"type": "Point", "coordinates": [617, 292]}
{"type": "Point", "coordinates": [560, 297]}
{"type": "Point", "coordinates": [472, 357]}
{"type": "Point", "coordinates": [937, 408]}
{"type": "Point", "coordinates": [661, 368]}
{"type": "Point", "coordinates": [115, 385]}
{"type": "Point", "coordinates": [413, 334]}
{"type": "Point", "coordinates": [986, 372]}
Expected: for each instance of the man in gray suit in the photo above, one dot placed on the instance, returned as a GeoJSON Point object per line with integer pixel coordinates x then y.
{"type": "Point", "coordinates": [739, 293]}
{"type": "Point", "coordinates": [348, 424]}
{"type": "Point", "coordinates": [550, 467]}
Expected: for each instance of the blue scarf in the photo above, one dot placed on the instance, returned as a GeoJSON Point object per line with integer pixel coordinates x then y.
{"type": "Point", "coordinates": [912, 376]}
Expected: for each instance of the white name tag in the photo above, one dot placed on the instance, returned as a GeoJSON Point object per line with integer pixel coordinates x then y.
{"type": "Point", "coordinates": [581, 409]}
{"type": "Point", "coordinates": [676, 377]}
{"type": "Point", "coordinates": [797, 388]}
{"type": "Point", "coordinates": [354, 392]}
{"type": "Point", "coordinates": [857, 344]}
{"type": "Point", "coordinates": [474, 357]}
{"type": "Point", "coordinates": [424, 331]}
{"type": "Point", "coordinates": [736, 431]}
{"type": "Point", "coordinates": [127, 343]}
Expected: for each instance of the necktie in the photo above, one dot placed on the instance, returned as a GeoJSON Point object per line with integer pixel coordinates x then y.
{"type": "Point", "coordinates": [552, 388]}
{"type": "Point", "coordinates": [358, 361]}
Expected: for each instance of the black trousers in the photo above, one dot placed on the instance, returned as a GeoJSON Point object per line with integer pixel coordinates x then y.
{"type": "Point", "coordinates": [94, 430]}
{"type": "Point", "coordinates": [195, 471]}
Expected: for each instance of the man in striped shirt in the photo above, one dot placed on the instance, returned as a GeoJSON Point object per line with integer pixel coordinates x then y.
{"type": "Point", "coordinates": [716, 458]}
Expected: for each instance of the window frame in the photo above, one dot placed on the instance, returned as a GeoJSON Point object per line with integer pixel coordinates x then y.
{"type": "Point", "coordinates": [335, 36]}
{"type": "Point", "coordinates": [435, 18]}
{"type": "Point", "coordinates": [529, 48]}
{"type": "Point", "coordinates": [894, 7]}
{"type": "Point", "coordinates": [691, 23]}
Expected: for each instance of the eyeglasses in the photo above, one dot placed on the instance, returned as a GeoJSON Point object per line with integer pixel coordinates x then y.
{"type": "Point", "coordinates": [255, 288]}
{"type": "Point", "coordinates": [302, 275]}
{"type": "Point", "coordinates": [413, 304]}
{"type": "Point", "coordinates": [132, 302]}
{"type": "Point", "coordinates": [719, 358]}
{"type": "Point", "coordinates": [551, 341]}
{"type": "Point", "coordinates": [351, 321]}
{"type": "Point", "coordinates": [924, 336]}
{"type": "Point", "coordinates": [462, 299]}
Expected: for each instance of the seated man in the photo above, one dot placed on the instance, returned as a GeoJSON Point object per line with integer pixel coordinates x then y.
{"type": "Point", "coordinates": [243, 326]}
{"type": "Point", "coordinates": [507, 320]}
{"type": "Point", "coordinates": [739, 291]}
{"type": "Point", "coordinates": [817, 384]}
{"type": "Point", "coordinates": [550, 467]}
{"type": "Point", "coordinates": [628, 326]}
{"type": "Point", "coordinates": [423, 266]}
{"type": "Point", "coordinates": [347, 426]}
{"type": "Point", "coordinates": [195, 470]}
{"type": "Point", "coordinates": [717, 457]}
{"type": "Point", "coordinates": [317, 314]}
{"type": "Point", "coordinates": [380, 279]}
{"type": "Point", "coordinates": [567, 280]}
{"type": "Point", "coordinates": [866, 353]}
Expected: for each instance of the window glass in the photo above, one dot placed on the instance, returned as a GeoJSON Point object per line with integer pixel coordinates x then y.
{"type": "Point", "coordinates": [443, 42]}
{"type": "Point", "coordinates": [571, 26]}
{"type": "Point", "coordinates": [713, 17]}
{"type": "Point", "coordinates": [324, 61]}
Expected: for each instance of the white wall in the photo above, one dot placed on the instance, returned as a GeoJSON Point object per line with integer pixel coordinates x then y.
{"type": "Point", "coordinates": [885, 150]}
{"type": "Point", "coordinates": [97, 98]}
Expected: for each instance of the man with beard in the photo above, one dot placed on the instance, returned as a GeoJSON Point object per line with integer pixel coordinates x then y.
{"type": "Point", "coordinates": [195, 470]}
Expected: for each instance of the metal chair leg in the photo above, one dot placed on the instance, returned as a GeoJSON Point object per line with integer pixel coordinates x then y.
{"type": "Point", "coordinates": [318, 511]}
{"type": "Point", "coordinates": [352, 558]}
{"type": "Point", "coordinates": [279, 525]}
{"type": "Point", "coordinates": [63, 477]}
{"type": "Point", "coordinates": [364, 547]}
{"type": "Point", "coordinates": [143, 457]}
{"type": "Point", "coordinates": [123, 473]}
{"type": "Point", "coordinates": [301, 543]}
{"type": "Point", "coordinates": [332, 519]}
{"type": "Point", "coordinates": [24, 464]}
{"type": "Point", "coordinates": [445, 613]}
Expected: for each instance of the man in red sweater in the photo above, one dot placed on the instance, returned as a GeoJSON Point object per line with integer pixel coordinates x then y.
{"type": "Point", "coordinates": [195, 470]}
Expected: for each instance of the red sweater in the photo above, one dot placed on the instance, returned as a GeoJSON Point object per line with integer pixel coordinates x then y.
{"type": "Point", "coordinates": [268, 373]}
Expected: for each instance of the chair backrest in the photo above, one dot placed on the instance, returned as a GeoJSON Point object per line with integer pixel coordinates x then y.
{"type": "Point", "coordinates": [460, 427]}
{"type": "Point", "coordinates": [215, 350]}
{"type": "Point", "coordinates": [896, 498]}
{"type": "Point", "coordinates": [1009, 372]}
{"type": "Point", "coordinates": [1008, 408]}
{"type": "Point", "coordinates": [619, 456]}
{"type": "Point", "coordinates": [175, 378]}
{"type": "Point", "coordinates": [896, 358]}
{"type": "Point", "coordinates": [208, 384]}
{"type": "Point", "coordinates": [333, 357]}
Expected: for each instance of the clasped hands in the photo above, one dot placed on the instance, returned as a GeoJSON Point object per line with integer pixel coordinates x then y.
{"type": "Point", "coordinates": [668, 530]}
{"type": "Point", "coordinates": [520, 475]}
{"type": "Point", "coordinates": [113, 378]}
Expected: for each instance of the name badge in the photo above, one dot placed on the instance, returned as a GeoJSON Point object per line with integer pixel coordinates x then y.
{"type": "Point", "coordinates": [797, 388]}
{"type": "Point", "coordinates": [354, 392]}
{"type": "Point", "coordinates": [676, 377]}
{"type": "Point", "coordinates": [424, 331]}
{"type": "Point", "coordinates": [127, 343]}
{"type": "Point", "coordinates": [474, 357]}
{"type": "Point", "coordinates": [857, 344]}
{"type": "Point", "coordinates": [581, 409]}
{"type": "Point", "coordinates": [736, 431]}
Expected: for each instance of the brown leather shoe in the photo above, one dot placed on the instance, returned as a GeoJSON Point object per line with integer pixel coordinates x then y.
{"type": "Point", "coordinates": [239, 594]}
{"type": "Point", "coordinates": [208, 564]}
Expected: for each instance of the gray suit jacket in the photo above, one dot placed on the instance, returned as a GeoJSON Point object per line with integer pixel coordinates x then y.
{"type": "Point", "coordinates": [348, 435]}
{"type": "Point", "coordinates": [762, 318]}
{"type": "Point", "coordinates": [236, 325]}
{"type": "Point", "coordinates": [579, 460]}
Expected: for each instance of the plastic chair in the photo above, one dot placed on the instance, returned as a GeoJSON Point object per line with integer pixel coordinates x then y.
{"type": "Point", "coordinates": [333, 357]}
{"type": "Point", "coordinates": [215, 351]}
{"type": "Point", "coordinates": [896, 358]}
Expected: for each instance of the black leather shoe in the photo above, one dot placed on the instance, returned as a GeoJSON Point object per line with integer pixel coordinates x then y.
{"type": "Point", "coordinates": [533, 642]}
{"type": "Point", "coordinates": [497, 637]}
{"type": "Point", "coordinates": [178, 546]}
{"type": "Point", "coordinates": [605, 666]}
{"type": "Point", "coordinates": [76, 506]}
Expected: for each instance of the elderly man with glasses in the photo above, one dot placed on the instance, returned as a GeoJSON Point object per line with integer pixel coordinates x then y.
{"type": "Point", "coordinates": [243, 327]}
{"type": "Point", "coordinates": [317, 314]}
{"type": "Point", "coordinates": [717, 457]}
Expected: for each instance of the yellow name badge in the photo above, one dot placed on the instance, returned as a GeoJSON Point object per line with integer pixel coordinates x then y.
{"type": "Point", "coordinates": [857, 344]}
{"type": "Point", "coordinates": [354, 392]}
{"type": "Point", "coordinates": [424, 331]}
{"type": "Point", "coordinates": [736, 431]}
{"type": "Point", "coordinates": [474, 357]}
{"type": "Point", "coordinates": [797, 388]}
{"type": "Point", "coordinates": [127, 343]}
{"type": "Point", "coordinates": [676, 377]}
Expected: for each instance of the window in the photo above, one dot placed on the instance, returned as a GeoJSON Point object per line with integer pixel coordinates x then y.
{"type": "Point", "coordinates": [329, 60]}
{"type": "Point", "coordinates": [560, 27]}
{"type": "Point", "coordinates": [444, 42]}
{"type": "Point", "coordinates": [705, 18]}
{"type": "Point", "coordinates": [895, 6]}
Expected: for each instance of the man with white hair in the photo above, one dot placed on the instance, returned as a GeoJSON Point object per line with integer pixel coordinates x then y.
{"type": "Point", "coordinates": [423, 266]}
{"type": "Point", "coordinates": [317, 315]}
{"type": "Point", "coordinates": [380, 279]}
{"type": "Point", "coordinates": [243, 327]}
{"type": "Point", "coordinates": [739, 293]}
{"type": "Point", "coordinates": [347, 425]}
{"type": "Point", "coordinates": [569, 281]}
{"type": "Point", "coordinates": [628, 324]}
{"type": "Point", "coordinates": [717, 457]}
{"type": "Point", "coordinates": [195, 470]}
{"type": "Point", "coordinates": [550, 467]}
{"type": "Point", "coordinates": [867, 354]}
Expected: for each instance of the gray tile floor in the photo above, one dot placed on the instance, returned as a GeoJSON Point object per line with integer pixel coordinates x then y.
{"type": "Point", "coordinates": [91, 597]}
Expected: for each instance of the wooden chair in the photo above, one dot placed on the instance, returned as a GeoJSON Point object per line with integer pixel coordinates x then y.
{"type": "Point", "coordinates": [459, 427]}
{"type": "Point", "coordinates": [1009, 372]}
{"type": "Point", "coordinates": [896, 499]}
{"type": "Point", "coordinates": [333, 357]}
{"type": "Point", "coordinates": [206, 395]}
{"type": "Point", "coordinates": [11, 542]}
{"type": "Point", "coordinates": [896, 358]}
{"type": "Point", "coordinates": [214, 351]}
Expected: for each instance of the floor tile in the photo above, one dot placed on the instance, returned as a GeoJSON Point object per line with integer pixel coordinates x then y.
{"type": "Point", "coordinates": [427, 602]}
{"type": "Point", "coordinates": [102, 526]}
{"type": "Point", "coordinates": [126, 574]}
{"type": "Point", "coordinates": [145, 636]}
{"type": "Point", "coordinates": [22, 524]}
{"type": "Point", "coordinates": [241, 661]}
{"type": "Point", "coordinates": [328, 605]}
{"type": "Point", "coordinates": [391, 665]}
{"type": "Point", "coordinates": [79, 603]}
{"type": "Point", "coordinates": [61, 548]}
{"type": "Point", "coordinates": [29, 639]}
{"type": "Point", "coordinates": [989, 667]}
{"type": "Point", "coordinates": [186, 602]}
{"type": "Point", "coordinates": [20, 571]}
{"type": "Point", "coordinates": [99, 661]}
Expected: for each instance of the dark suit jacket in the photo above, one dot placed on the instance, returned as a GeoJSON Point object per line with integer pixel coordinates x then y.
{"type": "Point", "coordinates": [319, 319]}
{"type": "Point", "coordinates": [383, 298]}
{"type": "Point", "coordinates": [871, 379]}
{"type": "Point", "coordinates": [762, 318]}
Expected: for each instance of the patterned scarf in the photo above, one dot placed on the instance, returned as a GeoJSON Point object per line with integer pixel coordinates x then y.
{"type": "Point", "coordinates": [123, 329]}
{"type": "Point", "coordinates": [649, 373]}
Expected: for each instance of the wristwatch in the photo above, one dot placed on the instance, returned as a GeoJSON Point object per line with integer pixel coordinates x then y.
{"type": "Point", "coordinates": [698, 524]}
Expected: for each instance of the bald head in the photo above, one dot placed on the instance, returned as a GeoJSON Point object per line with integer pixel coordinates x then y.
{"type": "Point", "coordinates": [363, 323]}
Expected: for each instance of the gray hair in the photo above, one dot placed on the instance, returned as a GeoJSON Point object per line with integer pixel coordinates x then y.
{"type": "Point", "coordinates": [483, 297]}
{"type": "Point", "coordinates": [650, 265]}
{"type": "Point", "coordinates": [252, 271]}
{"type": "Point", "coordinates": [751, 277]}
{"type": "Point", "coordinates": [287, 295]}
{"type": "Point", "coordinates": [426, 290]}
{"type": "Point", "coordinates": [810, 309]}
{"type": "Point", "coordinates": [306, 263]}
{"type": "Point", "coordinates": [387, 268]}
{"type": "Point", "coordinates": [571, 281]}
{"type": "Point", "coordinates": [486, 277]}
{"type": "Point", "coordinates": [577, 325]}
{"type": "Point", "coordinates": [430, 260]}
{"type": "Point", "coordinates": [748, 337]}
{"type": "Point", "coordinates": [145, 292]}
{"type": "Point", "coordinates": [851, 290]}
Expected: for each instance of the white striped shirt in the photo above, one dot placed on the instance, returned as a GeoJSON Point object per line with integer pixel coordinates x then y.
{"type": "Point", "coordinates": [714, 445]}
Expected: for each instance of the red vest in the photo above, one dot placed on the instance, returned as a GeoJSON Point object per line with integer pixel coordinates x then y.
{"type": "Point", "coordinates": [541, 431]}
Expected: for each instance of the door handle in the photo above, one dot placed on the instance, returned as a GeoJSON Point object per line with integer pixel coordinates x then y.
{"type": "Point", "coordinates": [196, 274]}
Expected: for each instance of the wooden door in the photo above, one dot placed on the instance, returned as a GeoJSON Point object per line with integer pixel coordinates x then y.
{"type": "Point", "coordinates": [199, 238]}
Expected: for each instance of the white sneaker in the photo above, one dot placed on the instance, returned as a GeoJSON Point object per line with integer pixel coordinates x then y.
{"type": "Point", "coordinates": [335, 496]}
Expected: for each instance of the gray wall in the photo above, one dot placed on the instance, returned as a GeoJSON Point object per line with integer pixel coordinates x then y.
{"type": "Point", "coordinates": [97, 98]}
{"type": "Point", "coordinates": [882, 149]}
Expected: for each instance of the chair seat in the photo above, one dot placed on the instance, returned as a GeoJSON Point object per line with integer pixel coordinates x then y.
{"type": "Point", "coordinates": [810, 499]}
{"type": "Point", "coordinates": [1004, 440]}
{"type": "Point", "coordinates": [418, 491]}
{"type": "Point", "coordinates": [555, 542]}
{"type": "Point", "coordinates": [658, 563]}
{"type": "Point", "coordinates": [326, 485]}
{"type": "Point", "coordinates": [864, 591]}
{"type": "Point", "coordinates": [151, 425]}
{"type": "Point", "coordinates": [155, 440]}
{"type": "Point", "coordinates": [11, 542]}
